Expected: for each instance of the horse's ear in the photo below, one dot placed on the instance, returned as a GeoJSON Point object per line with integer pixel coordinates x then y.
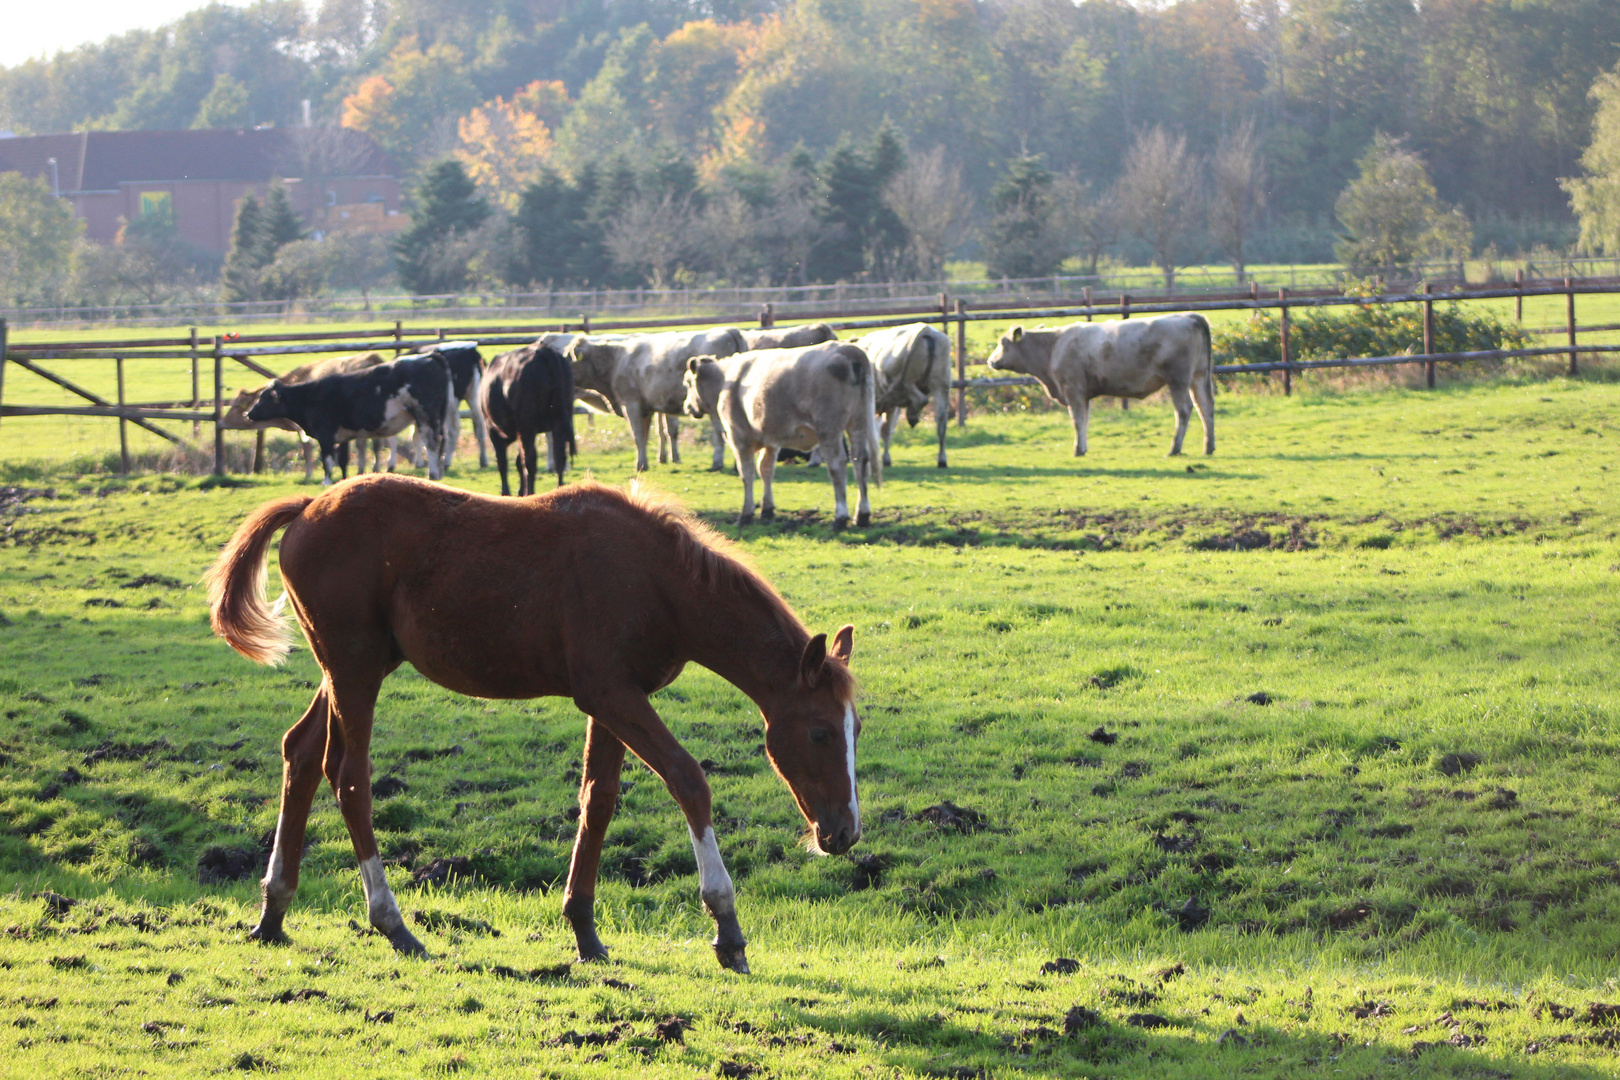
{"type": "Point", "coordinates": [843, 644]}
{"type": "Point", "coordinates": [1017, 333]}
{"type": "Point", "coordinates": [815, 655]}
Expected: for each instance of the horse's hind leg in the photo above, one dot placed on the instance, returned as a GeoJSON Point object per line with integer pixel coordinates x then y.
{"type": "Point", "coordinates": [348, 767]}
{"type": "Point", "coordinates": [598, 797]}
{"type": "Point", "coordinates": [301, 751]}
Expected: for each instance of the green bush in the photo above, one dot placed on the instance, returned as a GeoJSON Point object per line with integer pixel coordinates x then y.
{"type": "Point", "coordinates": [1364, 330]}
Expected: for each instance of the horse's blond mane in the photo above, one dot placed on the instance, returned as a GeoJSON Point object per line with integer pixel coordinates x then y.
{"type": "Point", "coordinates": [722, 566]}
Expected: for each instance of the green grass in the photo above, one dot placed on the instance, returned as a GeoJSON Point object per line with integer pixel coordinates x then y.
{"type": "Point", "coordinates": [1421, 585]}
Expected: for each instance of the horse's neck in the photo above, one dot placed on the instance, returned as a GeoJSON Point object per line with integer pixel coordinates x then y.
{"type": "Point", "coordinates": [739, 637]}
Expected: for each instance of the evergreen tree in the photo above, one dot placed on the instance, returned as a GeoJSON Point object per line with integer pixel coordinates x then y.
{"type": "Point", "coordinates": [240, 278]}
{"type": "Point", "coordinates": [557, 241]}
{"type": "Point", "coordinates": [447, 207]}
{"type": "Point", "coordinates": [1022, 242]}
{"type": "Point", "coordinates": [862, 231]}
{"type": "Point", "coordinates": [281, 223]}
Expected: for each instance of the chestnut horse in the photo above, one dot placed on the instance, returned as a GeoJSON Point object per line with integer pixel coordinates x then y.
{"type": "Point", "coordinates": [586, 592]}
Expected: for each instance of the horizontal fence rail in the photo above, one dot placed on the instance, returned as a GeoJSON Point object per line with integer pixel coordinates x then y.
{"type": "Point", "coordinates": [860, 314]}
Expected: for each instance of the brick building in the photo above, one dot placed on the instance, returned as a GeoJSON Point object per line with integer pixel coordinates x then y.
{"type": "Point", "coordinates": [337, 177]}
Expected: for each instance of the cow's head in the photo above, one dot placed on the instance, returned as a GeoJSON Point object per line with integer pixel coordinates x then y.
{"type": "Point", "coordinates": [593, 361]}
{"type": "Point", "coordinates": [270, 405]}
{"type": "Point", "coordinates": [1009, 354]}
{"type": "Point", "coordinates": [702, 381]}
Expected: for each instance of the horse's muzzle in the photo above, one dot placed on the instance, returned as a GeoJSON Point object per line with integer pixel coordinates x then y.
{"type": "Point", "coordinates": [838, 841]}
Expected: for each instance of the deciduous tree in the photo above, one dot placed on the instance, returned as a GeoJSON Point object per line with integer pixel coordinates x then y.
{"type": "Point", "coordinates": [934, 208]}
{"type": "Point", "coordinates": [1238, 193]}
{"type": "Point", "coordinates": [1595, 197]}
{"type": "Point", "coordinates": [38, 235]}
{"type": "Point", "coordinates": [1160, 198]}
{"type": "Point", "coordinates": [1391, 214]}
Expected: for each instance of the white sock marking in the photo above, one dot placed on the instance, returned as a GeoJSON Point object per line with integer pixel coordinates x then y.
{"type": "Point", "coordinates": [714, 884]}
{"type": "Point", "coordinates": [849, 754]}
{"type": "Point", "coordinates": [381, 908]}
{"type": "Point", "coordinates": [275, 883]}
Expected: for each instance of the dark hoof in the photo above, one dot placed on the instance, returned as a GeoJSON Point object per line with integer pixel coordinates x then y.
{"type": "Point", "coordinates": [268, 932]}
{"type": "Point", "coordinates": [745, 519]}
{"type": "Point", "coordinates": [840, 524]}
{"type": "Point", "coordinates": [940, 465]}
{"type": "Point", "coordinates": [768, 515]}
{"type": "Point", "coordinates": [598, 955]}
{"type": "Point", "coordinates": [863, 520]}
{"type": "Point", "coordinates": [405, 943]}
{"type": "Point", "coordinates": [717, 468]}
{"type": "Point", "coordinates": [732, 957]}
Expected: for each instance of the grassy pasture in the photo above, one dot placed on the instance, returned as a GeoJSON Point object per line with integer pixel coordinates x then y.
{"type": "Point", "coordinates": [1402, 863]}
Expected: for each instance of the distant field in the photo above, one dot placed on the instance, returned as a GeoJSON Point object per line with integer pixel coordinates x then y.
{"type": "Point", "coordinates": [1350, 810]}
{"type": "Point", "coordinates": [91, 439]}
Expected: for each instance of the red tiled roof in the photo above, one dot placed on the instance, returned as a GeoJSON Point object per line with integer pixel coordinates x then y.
{"type": "Point", "coordinates": [102, 160]}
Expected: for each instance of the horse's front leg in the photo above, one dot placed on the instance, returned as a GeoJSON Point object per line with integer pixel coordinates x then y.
{"type": "Point", "coordinates": [301, 751]}
{"type": "Point", "coordinates": [632, 719]}
{"type": "Point", "coordinates": [598, 798]}
{"type": "Point", "coordinates": [348, 768]}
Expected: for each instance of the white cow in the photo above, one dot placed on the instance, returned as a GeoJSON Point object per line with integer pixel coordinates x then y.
{"type": "Point", "coordinates": [914, 368]}
{"type": "Point", "coordinates": [787, 337]}
{"type": "Point", "coordinates": [1128, 358]}
{"type": "Point", "coordinates": [640, 376]}
{"type": "Point", "coordinates": [798, 398]}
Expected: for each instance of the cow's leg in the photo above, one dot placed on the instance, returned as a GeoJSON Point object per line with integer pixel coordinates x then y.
{"type": "Point", "coordinates": [598, 798]}
{"type": "Point", "coordinates": [942, 416]}
{"type": "Point", "coordinates": [1080, 413]}
{"type": "Point", "coordinates": [480, 428]}
{"type": "Point", "coordinates": [767, 475]}
{"type": "Point", "coordinates": [500, 446]}
{"type": "Point", "coordinates": [888, 433]}
{"type": "Point", "coordinates": [309, 458]}
{"type": "Point", "coordinates": [301, 751]}
{"type": "Point", "coordinates": [863, 473]}
{"type": "Point", "coordinates": [359, 453]}
{"type": "Point", "coordinates": [837, 459]}
{"type": "Point", "coordinates": [530, 464]}
{"type": "Point", "coordinates": [662, 421]}
{"type": "Point", "coordinates": [745, 466]}
{"type": "Point", "coordinates": [717, 443]}
{"type": "Point", "coordinates": [353, 698]}
{"type": "Point", "coordinates": [1204, 397]}
{"type": "Point", "coordinates": [673, 424]}
{"type": "Point", "coordinates": [631, 719]}
{"type": "Point", "coordinates": [432, 445]}
{"type": "Point", "coordinates": [1181, 398]}
{"type": "Point", "coordinates": [639, 422]}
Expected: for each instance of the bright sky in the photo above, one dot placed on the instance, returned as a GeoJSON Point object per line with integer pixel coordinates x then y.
{"type": "Point", "coordinates": [42, 29]}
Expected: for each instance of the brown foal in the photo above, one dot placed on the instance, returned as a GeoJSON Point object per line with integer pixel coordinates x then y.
{"type": "Point", "coordinates": [586, 592]}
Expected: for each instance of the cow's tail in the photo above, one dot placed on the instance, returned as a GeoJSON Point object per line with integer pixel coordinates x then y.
{"type": "Point", "coordinates": [236, 585]}
{"type": "Point", "coordinates": [1209, 352]}
{"type": "Point", "coordinates": [565, 409]}
{"type": "Point", "coordinates": [867, 438]}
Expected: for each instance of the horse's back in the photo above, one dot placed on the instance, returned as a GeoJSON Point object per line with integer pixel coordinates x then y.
{"type": "Point", "coordinates": [492, 597]}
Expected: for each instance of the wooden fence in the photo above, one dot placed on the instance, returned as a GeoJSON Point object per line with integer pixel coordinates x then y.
{"type": "Point", "coordinates": [218, 351]}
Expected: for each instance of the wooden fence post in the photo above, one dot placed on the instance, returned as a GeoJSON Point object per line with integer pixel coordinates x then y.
{"type": "Point", "coordinates": [219, 394]}
{"type": "Point", "coordinates": [1088, 303]}
{"type": "Point", "coordinates": [2, 361]}
{"type": "Point", "coordinates": [1428, 337]}
{"type": "Point", "coordinates": [196, 426]}
{"type": "Point", "coordinates": [945, 314]}
{"type": "Point", "coordinates": [398, 348]}
{"type": "Point", "coordinates": [1518, 301]}
{"type": "Point", "coordinates": [961, 362]}
{"type": "Point", "coordinates": [123, 422]}
{"type": "Point", "coordinates": [767, 316]}
{"type": "Point", "coordinates": [1125, 313]}
{"type": "Point", "coordinates": [584, 324]}
{"type": "Point", "coordinates": [1282, 302]}
{"type": "Point", "coordinates": [1569, 316]}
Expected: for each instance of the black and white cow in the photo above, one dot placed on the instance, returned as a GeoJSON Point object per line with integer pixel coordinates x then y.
{"type": "Point", "coordinates": [466, 375]}
{"type": "Point", "coordinates": [377, 403]}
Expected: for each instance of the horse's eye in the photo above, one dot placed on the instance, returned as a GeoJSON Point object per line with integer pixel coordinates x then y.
{"type": "Point", "coordinates": [820, 736]}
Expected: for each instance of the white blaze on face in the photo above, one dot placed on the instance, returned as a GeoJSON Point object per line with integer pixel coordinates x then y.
{"type": "Point", "coordinates": [381, 907]}
{"type": "Point", "coordinates": [714, 884]}
{"type": "Point", "coordinates": [849, 755]}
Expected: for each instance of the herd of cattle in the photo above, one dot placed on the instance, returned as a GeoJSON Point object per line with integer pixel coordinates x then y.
{"type": "Point", "coordinates": [763, 391]}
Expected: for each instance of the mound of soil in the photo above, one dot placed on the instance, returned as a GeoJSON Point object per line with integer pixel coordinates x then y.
{"type": "Point", "coordinates": [220, 864]}
{"type": "Point", "coordinates": [947, 815]}
{"type": "Point", "coordinates": [441, 871]}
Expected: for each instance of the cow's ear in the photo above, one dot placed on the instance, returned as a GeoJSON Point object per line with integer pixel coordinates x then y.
{"type": "Point", "coordinates": [815, 655]}
{"type": "Point", "coordinates": [1017, 333]}
{"type": "Point", "coordinates": [692, 364]}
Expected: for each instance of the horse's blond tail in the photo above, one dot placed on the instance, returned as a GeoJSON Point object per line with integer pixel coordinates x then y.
{"type": "Point", "coordinates": [236, 585]}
